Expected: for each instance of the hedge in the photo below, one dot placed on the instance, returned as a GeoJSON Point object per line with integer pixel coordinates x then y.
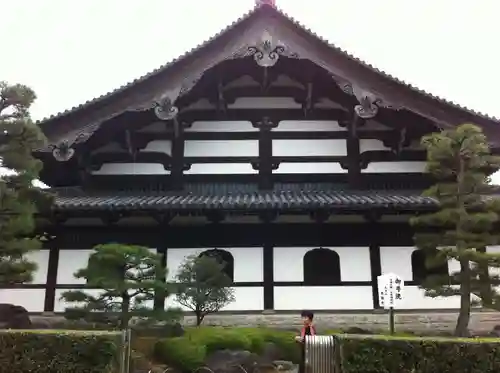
{"type": "Point", "coordinates": [58, 351]}
{"type": "Point", "coordinates": [190, 351]}
{"type": "Point", "coordinates": [384, 354]}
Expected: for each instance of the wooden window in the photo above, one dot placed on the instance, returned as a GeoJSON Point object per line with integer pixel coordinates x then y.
{"type": "Point", "coordinates": [420, 270]}
{"type": "Point", "coordinates": [321, 267]}
{"type": "Point", "coordinates": [222, 256]}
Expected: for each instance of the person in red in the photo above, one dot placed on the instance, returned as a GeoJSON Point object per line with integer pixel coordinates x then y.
{"type": "Point", "coordinates": [307, 329]}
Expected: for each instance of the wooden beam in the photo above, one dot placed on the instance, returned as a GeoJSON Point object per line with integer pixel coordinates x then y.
{"type": "Point", "coordinates": [255, 115]}
{"type": "Point", "coordinates": [353, 155]}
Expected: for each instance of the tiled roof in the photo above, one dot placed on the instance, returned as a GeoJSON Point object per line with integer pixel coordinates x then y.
{"type": "Point", "coordinates": [229, 28]}
{"type": "Point", "coordinates": [243, 198]}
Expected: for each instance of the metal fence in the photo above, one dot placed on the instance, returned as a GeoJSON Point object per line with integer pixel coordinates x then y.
{"type": "Point", "coordinates": [321, 354]}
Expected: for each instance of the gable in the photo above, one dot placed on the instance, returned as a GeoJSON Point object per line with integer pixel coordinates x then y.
{"type": "Point", "coordinates": [265, 33]}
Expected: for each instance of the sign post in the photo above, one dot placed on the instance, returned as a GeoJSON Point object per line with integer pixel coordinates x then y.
{"type": "Point", "coordinates": [390, 288]}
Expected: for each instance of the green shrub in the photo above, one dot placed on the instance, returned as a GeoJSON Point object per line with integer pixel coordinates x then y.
{"type": "Point", "coordinates": [256, 338]}
{"type": "Point", "coordinates": [215, 339]}
{"type": "Point", "coordinates": [285, 341]}
{"type": "Point", "coordinates": [181, 353]}
{"type": "Point", "coordinates": [58, 351]}
{"type": "Point", "coordinates": [383, 354]}
{"type": "Point", "coordinates": [188, 352]}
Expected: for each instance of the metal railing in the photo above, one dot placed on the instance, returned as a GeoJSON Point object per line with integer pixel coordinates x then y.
{"type": "Point", "coordinates": [321, 354]}
{"type": "Point", "coordinates": [124, 363]}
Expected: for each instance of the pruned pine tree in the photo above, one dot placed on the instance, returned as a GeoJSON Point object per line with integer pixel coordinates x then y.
{"type": "Point", "coordinates": [122, 282]}
{"type": "Point", "coordinates": [463, 225]}
{"type": "Point", "coordinates": [19, 199]}
{"type": "Point", "coordinates": [203, 286]}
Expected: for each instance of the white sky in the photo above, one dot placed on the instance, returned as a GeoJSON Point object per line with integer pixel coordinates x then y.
{"type": "Point", "coordinates": [72, 51]}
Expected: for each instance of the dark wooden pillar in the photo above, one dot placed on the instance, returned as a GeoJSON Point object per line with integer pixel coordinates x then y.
{"type": "Point", "coordinates": [50, 286]}
{"type": "Point", "coordinates": [265, 163]}
{"type": "Point", "coordinates": [375, 260]}
{"type": "Point", "coordinates": [178, 166]}
{"type": "Point", "coordinates": [353, 155]}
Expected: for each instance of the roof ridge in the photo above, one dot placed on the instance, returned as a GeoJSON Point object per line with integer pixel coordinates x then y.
{"type": "Point", "coordinates": [295, 23]}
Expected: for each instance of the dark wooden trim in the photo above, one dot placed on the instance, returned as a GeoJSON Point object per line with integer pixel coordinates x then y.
{"type": "Point", "coordinates": [268, 269]}
{"type": "Point", "coordinates": [50, 286]}
{"type": "Point", "coordinates": [265, 163]}
{"type": "Point", "coordinates": [246, 235]}
{"type": "Point", "coordinates": [114, 183]}
{"type": "Point", "coordinates": [376, 270]}
{"type": "Point", "coordinates": [223, 159]}
{"type": "Point", "coordinates": [236, 285]}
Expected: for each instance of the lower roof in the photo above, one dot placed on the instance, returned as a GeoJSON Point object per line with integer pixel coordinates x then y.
{"type": "Point", "coordinates": [241, 197]}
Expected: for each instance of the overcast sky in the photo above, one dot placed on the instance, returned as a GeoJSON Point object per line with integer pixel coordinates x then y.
{"type": "Point", "coordinates": [72, 51]}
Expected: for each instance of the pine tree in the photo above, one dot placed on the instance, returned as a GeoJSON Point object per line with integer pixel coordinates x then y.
{"type": "Point", "coordinates": [203, 286]}
{"type": "Point", "coordinates": [19, 199]}
{"type": "Point", "coordinates": [126, 279]}
{"type": "Point", "coordinates": [463, 225]}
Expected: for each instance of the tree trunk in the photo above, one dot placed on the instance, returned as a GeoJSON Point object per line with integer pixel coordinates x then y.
{"type": "Point", "coordinates": [199, 318]}
{"type": "Point", "coordinates": [124, 316]}
{"type": "Point", "coordinates": [461, 329]}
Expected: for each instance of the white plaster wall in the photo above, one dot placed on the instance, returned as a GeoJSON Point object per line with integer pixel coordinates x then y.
{"type": "Point", "coordinates": [308, 126]}
{"type": "Point", "coordinates": [221, 148]}
{"type": "Point", "coordinates": [493, 250]}
{"type": "Point", "coordinates": [160, 146]}
{"type": "Point", "coordinates": [354, 263]}
{"type": "Point", "coordinates": [397, 259]}
{"type": "Point", "coordinates": [265, 103]}
{"type": "Point", "coordinates": [248, 262]}
{"type": "Point", "coordinates": [131, 169]}
{"type": "Point", "coordinates": [309, 168]}
{"type": "Point", "coordinates": [41, 258]}
{"type": "Point", "coordinates": [60, 305]}
{"type": "Point", "coordinates": [323, 298]}
{"type": "Point", "coordinates": [31, 299]}
{"type": "Point", "coordinates": [414, 298]}
{"type": "Point", "coordinates": [202, 104]}
{"type": "Point", "coordinates": [395, 167]}
{"type": "Point", "coordinates": [221, 126]}
{"type": "Point", "coordinates": [71, 261]}
{"type": "Point", "coordinates": [309, 148]}
{"type": "Point", "coordinates": [220, 169]}
{"type": "Point", "coordinates": [246, 299]}
{"type": "Point", "coordinates": [366, 145]}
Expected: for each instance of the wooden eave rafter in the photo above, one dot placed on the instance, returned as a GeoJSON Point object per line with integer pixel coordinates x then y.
{"type": "Point", "coordinates": [180, 75]}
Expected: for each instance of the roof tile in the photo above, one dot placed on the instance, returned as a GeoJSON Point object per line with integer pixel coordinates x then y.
{"type": "Point", "coordinates": [207, 197]}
